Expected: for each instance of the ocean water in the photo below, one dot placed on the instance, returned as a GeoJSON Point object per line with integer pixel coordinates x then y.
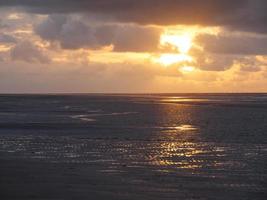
{"type": "Point", "coordinates": [172, 146]}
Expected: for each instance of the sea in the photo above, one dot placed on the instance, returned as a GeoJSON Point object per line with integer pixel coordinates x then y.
{"type": "Point", "coordinates": [133, 146]}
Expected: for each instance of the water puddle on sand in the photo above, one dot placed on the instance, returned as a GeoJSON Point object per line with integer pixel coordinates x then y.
{"type": "Point", "coordinates": [91, 117]}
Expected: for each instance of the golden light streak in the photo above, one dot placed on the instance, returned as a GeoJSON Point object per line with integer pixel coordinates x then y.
{"type": "Point", "coordinates": [187, 69]}
{"type": "Point", "coordinates": [5, 47]}
{"type": "Point", "coordinates": [169, 59]}
{"type": "Point", "coordinates": [14, 16]}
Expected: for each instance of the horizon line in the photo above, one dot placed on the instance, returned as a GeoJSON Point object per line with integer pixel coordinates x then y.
{"type": "Point", "coordinates": [124, 93]}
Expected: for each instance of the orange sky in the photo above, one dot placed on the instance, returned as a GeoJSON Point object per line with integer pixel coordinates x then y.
{"type": "Point", "coordinates": [83, 51]}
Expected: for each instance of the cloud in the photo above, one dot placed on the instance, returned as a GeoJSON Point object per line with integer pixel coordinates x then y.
{"type": "Point", "coordinates": [2, 56]}
{"type": "Point", "coordinates": [223, 51]}
{"type": "Point", "coordinates": [94, 77]}
{"type": "Point", "coordinates": [240, 44]}
{"type": "Point", "coordinates": [249, 64]}
{"type": "Point", "coordinates": [50, 28]}
{"type": "Point", "coordinates": [79, 27]}
{"type": "Point", "coordinates": [2, 25]}
{"type": "Point", "coordinates": [75, 34]}
{"type": "Point", "coordinates": [28, 52]}
{"type": "Point", "coordinates": [215, 62]}
{"type": "Point", "coordinates": [251, 18]}
{"type": "Point", "coordinates": [71, 34]}
{"type": "Point", "coordinates": [4, 38]}
{"type": "Point", "coordinates": [211, 61]}
{"type": "Point", "coordinates": [136, 39]}
{"type": "Point", "coordinates": [230, 14]}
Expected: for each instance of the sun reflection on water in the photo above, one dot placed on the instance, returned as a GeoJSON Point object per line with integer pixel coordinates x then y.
{"type": "Point", "coordinates": [179, 155]}
{"type": "Point", "coordinates": [186, 127]}
{"type": "Point", "coordinates": [181, 99]}
{"type": "Point", "coordinates": [176, 148]}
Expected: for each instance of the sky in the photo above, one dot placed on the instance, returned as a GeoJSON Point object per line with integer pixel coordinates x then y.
{"type": "Point", "coordinates": [133, 46]}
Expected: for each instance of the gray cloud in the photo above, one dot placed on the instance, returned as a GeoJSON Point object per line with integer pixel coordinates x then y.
{"type": "Point", "coordinates": [251, 18]}
{"type": "Point", "coordinates": [28, 52]}
{"type": "Point", "coordinates": [4, 38]}
{"type": "Point", "coordinates": [212, 61]}
{"type": "Point", "coordinates": [246, 15]}
{"type": "Point", "coordinates": [71, 34]}
{"type": "Point", "coordinates": [215, 62]}
{"type": "Point", "coordinates": [2, 56]}
{"type": "Point", "coordinates": [249, 64]}
{"type": "Point", "coordinates": [233, 44]}
{"type": "Point", "coordinates": [74, 34]}
{"type": "Point", "coordinates": [136, 38]}
{"type": "Point", "coordinates": [50, 29]}
{"type": "Point", "coordinates": [221, 62]}
{"type": "Point", "coordinates": [2, 25]}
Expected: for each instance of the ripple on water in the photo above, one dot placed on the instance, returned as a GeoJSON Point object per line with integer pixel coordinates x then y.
{"type": "Point", "coordinates": [231, 165]}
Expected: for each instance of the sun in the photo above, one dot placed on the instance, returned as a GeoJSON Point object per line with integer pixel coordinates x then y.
{"type": "Point", "coordinates": [175, 44]}
{"type": "Point", "coordinates": [180, 44]}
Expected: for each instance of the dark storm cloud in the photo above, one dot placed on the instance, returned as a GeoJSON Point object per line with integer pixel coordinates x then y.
{"type": "Point", "coordinates": [71, 34]}
{"type": "Point", "coordinates": [233, 44]}
{"type": "Point", "coordinates": [75, 34]}
{"type": "Point", "coordinates": [246, 15]}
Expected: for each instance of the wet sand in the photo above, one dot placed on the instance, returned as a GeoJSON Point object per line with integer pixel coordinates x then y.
{"type": "Point", "coordinates": [73, 168]}
{"type": "Point", "coordinates": [139, 147]}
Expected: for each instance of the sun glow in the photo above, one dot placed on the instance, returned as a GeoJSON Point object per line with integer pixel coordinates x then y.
{"type": "Point", "coordinates": [180, 44]}
{"type": "Point", "coordinates": [187, 69]}
{"type": "Point", "coordinates": [169, 59]}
